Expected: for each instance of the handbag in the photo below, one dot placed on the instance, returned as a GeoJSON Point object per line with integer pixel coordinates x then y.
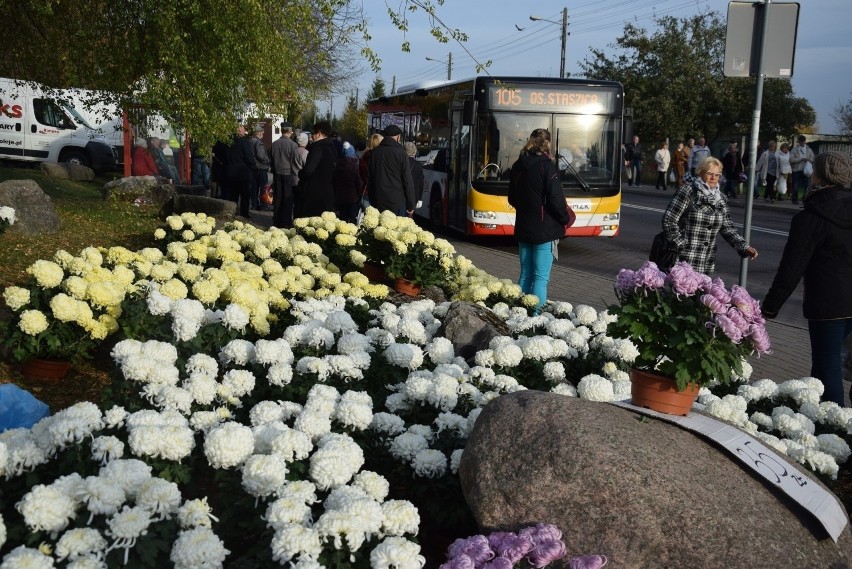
{"type": "Point", "coordinates": [781, 185]}
{"type": "Point", "coordinates": [663, 252]}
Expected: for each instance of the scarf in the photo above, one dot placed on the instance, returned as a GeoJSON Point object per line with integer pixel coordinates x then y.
{"type": "Point", "coordinates": [707, 194]}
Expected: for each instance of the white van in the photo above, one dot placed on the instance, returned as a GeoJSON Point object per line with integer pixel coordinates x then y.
{"type": "Point", "coordinates": [36, 128]}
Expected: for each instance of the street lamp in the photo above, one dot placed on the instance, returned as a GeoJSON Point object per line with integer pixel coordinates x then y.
{"type": "Point", "coordinates": [564, 36]}
{"type": "Point", "coordinates": [449, 63]}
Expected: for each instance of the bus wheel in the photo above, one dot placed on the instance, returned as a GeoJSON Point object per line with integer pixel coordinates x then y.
{"type": "Point", "coordinates": [75, 157]}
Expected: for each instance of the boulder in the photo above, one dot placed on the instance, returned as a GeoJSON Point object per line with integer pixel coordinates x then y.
{"type": "Point", "coordinates": [55, 170]}
{"type": "Point", "coordinates": [139, 189]}
{"type": "Point", "coordinates": [34, 211]}
{"type": "Point", "coordinates": [80, 173]}
{"type": "Point", "coordinates": [222, 210]}
{"type": "Point", "coordinates": [645, 493]}
{"type": "Point", "coordinates": [470, 327]}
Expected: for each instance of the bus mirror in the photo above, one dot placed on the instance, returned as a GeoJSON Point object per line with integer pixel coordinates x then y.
{"type": "Point", "coordinates": [469, 113]}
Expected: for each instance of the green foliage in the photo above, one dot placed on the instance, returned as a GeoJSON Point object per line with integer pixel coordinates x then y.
{"type": "Point", "coordinates": [674, 82]}
{"type": "Point", "coordinates": [843, 115]}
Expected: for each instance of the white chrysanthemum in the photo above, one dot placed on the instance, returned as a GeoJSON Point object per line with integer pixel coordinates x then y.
{"type": "Point", "coordinates": [400, 517]}
{"type": "Point", "coordinates": [406, 356]}
{"type": "Point", "coordinates": [818, 461]}
{"type": "Point", "coordinates": [726, 410]}
{"type": "Point", "coordinates": [375, 485]}
{"type": "Point", "coordinates": [834, 446]}
{"type": "Point", "coordinates": [23, 557]}
{"type": "Point", "coordinates": [235, 317]}
{"type": "Point", "coordinates": [396, 553]}
{"type": "Point", "coordinates": [238, 352]}
{"type": "Point", "coordinates": [595, 388]}
{"type": "Point", "coordinates": [353, 414]}
{"type": "Point", "coordinates": [45, 508]}
{"type": "Point", "coordinates": [455, 460]}
{"type": "Point", "coordinates": [195, 513]}
{"type": "Point", "coordinates": [128, 525]}
{"type": "Point", "coordinates": [228, 445]}
{"type": "Point", "coordinates": [264, 474]}
{"type": "Point", "coordinates": [584, 315]}
{"type": "Point", "coordinates": [287, 510]}
{"type": "Point", "coordinates": [160, 497]}
{"type": "Point", "coordinates": [429, 463]}
{"type": "Point", "coordinates": [443, 392]}
{"type": "Point", "coordinates": [292, 540]}
{"type": "Point", "coordinates": [80, 542]}
{"type": "Point", "coordinates": [187, 318]}
{"type": "Point", "coordinates": [266, 412]}
{"type": "Point", "coordinates": [452, 423]}
{"type": "Point", "coordinates": [240, 382]}
{"type": "Point", "coordinates": [440, 350]}
{"type": "Point", "coordinates": [107, 448]}
{"type": "Point", "coordinates": [269, 352]}
{"type": "Point", "coordinates": [335, 462]}
{"type": "Point", "coordinates": [554, 372]}
{"type": "Point", "coordinates": [198, 547]}
{"type": "Point", "coordinates": [387, 423]}
{"type": "Point", "coordinates": [406, 446]}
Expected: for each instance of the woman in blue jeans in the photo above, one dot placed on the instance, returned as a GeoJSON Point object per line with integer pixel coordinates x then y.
{"type": "Point", "coordinates": [541, 214]}
{"type": "Point", "coordinates": [819, 248]}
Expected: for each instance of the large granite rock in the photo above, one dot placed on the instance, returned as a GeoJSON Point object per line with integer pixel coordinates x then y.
{"type": "Point", "coordinates": [34, 211]}
{"type": "Point", "coordinates": [471, 327]}
{"type": "Point", "coordinates": [68, 171]}
{"type": "Point", "coordinates": [644, 493]}
{"type": "Point", "coordinates": [143, 190]}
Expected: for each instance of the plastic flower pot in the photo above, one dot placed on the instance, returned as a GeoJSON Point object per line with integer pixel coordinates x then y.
{"type": "Point", "coordinates": [659, 393]}
{"type": "Point", "coordinates": [376, 273]}
{"type": "Point", "coordinates": [48, 371]}
{"type": "Point", "coordinates": [405, 286]}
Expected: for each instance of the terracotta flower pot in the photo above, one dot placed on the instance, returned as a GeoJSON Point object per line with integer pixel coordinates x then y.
{"type": "Point", "coordinates": [659, 393]}
{"type": "Point", "coordinates": [376, 273]}
{"type": "Point", "coordinates": [405, 286]}
{"type": "Point", "coordinates": [50, 371]}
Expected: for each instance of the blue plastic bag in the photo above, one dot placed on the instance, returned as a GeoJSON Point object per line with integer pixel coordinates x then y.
{"type": "Point", "coordinates": [19, 408]}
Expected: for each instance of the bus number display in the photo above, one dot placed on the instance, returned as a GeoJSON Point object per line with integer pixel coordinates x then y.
{"type": "Point", "coordinates": [530, 99]}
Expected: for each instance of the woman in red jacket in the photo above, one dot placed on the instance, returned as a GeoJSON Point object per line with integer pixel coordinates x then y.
{"type": "Point", "coordinates": [143, 162]}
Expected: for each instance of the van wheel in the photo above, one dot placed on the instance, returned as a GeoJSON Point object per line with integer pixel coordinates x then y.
{"type": "Point", "coordinates": [75, 157]}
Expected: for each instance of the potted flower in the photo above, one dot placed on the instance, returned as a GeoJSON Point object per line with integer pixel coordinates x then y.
{"type": "Point", "coordinates": [689, 330]}
{"type": "Point", "coordinates": [50, 329]}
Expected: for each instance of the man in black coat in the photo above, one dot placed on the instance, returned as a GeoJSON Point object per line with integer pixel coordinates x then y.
{"type": "Point", "coordinates": [389, 182]}
{"type": "Point", "coordinates": [315, 193]}
{"type": "Point", "coordinates": [241, 170]}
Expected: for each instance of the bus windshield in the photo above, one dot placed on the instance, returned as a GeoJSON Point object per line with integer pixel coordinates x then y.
{"type": "Point", "coordinates": [584, 147]}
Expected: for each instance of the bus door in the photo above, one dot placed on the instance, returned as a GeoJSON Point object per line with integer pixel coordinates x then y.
{"type": "Point", "coordinates": [459, 175]}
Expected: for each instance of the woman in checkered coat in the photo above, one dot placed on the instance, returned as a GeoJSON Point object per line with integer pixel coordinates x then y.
{"type": "Point", "coordinates": [697, 213]}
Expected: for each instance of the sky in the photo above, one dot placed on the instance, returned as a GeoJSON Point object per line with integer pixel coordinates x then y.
{"type": "Point", "coordinates": [822, 71]}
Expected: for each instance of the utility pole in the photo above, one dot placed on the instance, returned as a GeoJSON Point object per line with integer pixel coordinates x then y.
{"type": "Point", "coordinates": [564, 41]}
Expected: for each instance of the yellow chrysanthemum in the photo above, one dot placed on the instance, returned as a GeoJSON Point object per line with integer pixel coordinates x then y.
{"type": "Point", "coordinates": [46, 273]}
{"type": "Point", "coordinates": [529, 300]}
{"type": "Point", "coordinates": [105, 293]}
{"type": "Point", "coordinates": [32, 322]}
{"type": "Point", "coordinates": [62, 258]}
{"type": "Point", "coordinates": [92, 256]}
{"type": "Point", "coordinates": [205, 292]}
{"type": "Point", "coordinates": [16, 297]}
{"type": "Point", "coordinates": [159, 234]}
{"type": "Point", "coordinates": [119, 256]}
{"type": "Point", "coordinates": [174, 289]}
{"type": "Point", "coordinates": [174, 222]}
{"type": "Point", "coordinates": [189, 273]}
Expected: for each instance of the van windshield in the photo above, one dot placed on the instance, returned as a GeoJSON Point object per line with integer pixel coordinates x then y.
{"type": "Point", "coordinates": [78, 118]}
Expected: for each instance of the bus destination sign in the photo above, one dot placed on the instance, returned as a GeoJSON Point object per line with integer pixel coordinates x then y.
{"type": "Point", "coordinates": [529, 98]}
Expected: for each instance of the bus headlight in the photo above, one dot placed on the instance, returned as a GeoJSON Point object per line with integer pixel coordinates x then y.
{"type": "Point", "coordinates": [611, 217]}
{"type": "Point", "coordinates": [483, 214]}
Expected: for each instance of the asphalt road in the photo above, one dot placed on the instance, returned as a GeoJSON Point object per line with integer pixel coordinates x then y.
{"type": "Point", "coordinates": [641, 219]}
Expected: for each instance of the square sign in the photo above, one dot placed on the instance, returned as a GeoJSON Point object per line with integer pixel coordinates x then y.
{"type": "Point", "coordinates": [742, 44]}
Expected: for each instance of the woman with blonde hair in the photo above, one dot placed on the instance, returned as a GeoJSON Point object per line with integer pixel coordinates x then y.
{"type": "Point", "coordinates": [698, 213]}
{"type": "Point", "coordinates": [541, 215]}
{"type": "Point", "coordinates": [364, 166]}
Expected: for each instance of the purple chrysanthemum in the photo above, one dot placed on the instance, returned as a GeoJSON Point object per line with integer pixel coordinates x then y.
{"type": "Point", "coordinates": [739, 319]}
{"type": "Point", "coordinates": [510, 545]}
{"type": "Point", "coordinates": [714, 304]}
{"type": "Point", "coordinates": [626, 280]}
{"type": "Point", "coordinates": [499, 563]}
{"type": "Point", "coordinates": [718, 290]}
{"type": "Point", "coordinates": [759, 338]}
{"type": "Point", "coordinates": [545, 553]}
{"type": "Point", "coordinates": [476, 547]}
{"type": "Point", "coordinates": [587, 562]}
{"type": "Point", "coordinates": [743, 300]}
{"type": "Point", "coordinates": [541, 533]}
{"type": "Point", "coordinates": [728, 328]}
{"type": "Point", "coordinates": [650, 277]}
{"type": "Point", "coordinates": [684, 280]}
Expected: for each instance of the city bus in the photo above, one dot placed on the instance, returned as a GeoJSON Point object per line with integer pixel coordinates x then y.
{"type": "Point", "coordinates": [469, 134]}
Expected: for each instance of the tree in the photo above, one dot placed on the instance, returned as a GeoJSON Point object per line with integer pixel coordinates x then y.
{"type": "Point", "coordinates": [353, 124]}
{"type": "Point", "coordinates": [197, 61]}
{"type": "Point", "coordinates": [674, 81]}
{"type": "Point", "coordinates": [377, 89]}
{"type": "Point", "coordinates": [843, 115]}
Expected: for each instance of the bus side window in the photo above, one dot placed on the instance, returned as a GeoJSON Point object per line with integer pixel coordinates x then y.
{"type": "Point", "coordinates": [442, 160]}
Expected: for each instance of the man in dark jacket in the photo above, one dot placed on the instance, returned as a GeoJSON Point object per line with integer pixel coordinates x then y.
{"type": "Point", "coordinates": [281, 156]}
{"type": "Point", "coordinates": [315, 193]}
{"type": "Point", "coordinates": [416, 172]}
{"type": "Point", "coordinates": [732, 167]}
{"type": "Point", "coordinates": [389, 182]}
{"type": "Point", "coordinates": [261, 166]}
{"type": "Point", "coordinates": [241, 170]}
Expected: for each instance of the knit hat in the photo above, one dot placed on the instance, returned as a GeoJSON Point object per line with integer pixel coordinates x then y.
{"type": "Point", "coordinates": [834, 168]}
